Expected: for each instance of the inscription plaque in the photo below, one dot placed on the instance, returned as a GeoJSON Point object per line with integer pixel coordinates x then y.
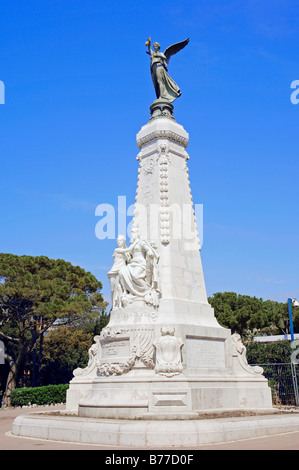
{"type": "Point", "coordinates": [205, 352]}
{"type": "Point", "coordinates": [115, 348]}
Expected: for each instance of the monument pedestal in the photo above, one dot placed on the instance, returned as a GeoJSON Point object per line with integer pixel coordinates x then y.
{"type": "Point", "coordinates": [163, 354]}
{"type": "Point", "coordinates": [212, 376]}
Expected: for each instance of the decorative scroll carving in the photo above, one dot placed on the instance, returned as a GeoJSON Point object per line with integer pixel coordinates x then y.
{"type": "Point", "coordinates": [241, 354]}
{"type": "Point", "coordinates": [92, 355]}
{"type": "Point", "coordinates": [143, 347]}
{"type": "Point", "coordinates": [168, 353]}
{"type": "Point", "coordinates": [142, 350]}
{"type": "Point", "coordinates": [148, 165]}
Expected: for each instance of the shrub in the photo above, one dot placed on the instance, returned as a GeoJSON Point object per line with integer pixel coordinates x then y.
{"type": "Point", "coordinates": [46, 395]}
{"type": "Point", "coordinates": [266, 353]}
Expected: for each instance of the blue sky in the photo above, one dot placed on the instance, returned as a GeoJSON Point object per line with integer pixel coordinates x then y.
{"type": "Point", "coordinates": [77, 91]}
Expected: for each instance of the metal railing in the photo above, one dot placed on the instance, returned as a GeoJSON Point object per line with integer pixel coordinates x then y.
{"type": "Point", "coordinates": [283, 381]}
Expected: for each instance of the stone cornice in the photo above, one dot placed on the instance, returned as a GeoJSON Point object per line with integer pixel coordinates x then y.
{"type": "Point", "coordinates": [162, 134]}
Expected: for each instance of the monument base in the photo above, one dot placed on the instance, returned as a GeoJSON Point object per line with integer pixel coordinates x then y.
{"type": "Point", "coordinates": [141, 372]}
{"type": "Point", "coordinates": [161, 108]}
{"type": "Point", "coordinates": [152, 434]}
{"type": "Point", "coordinates": [172, 398]}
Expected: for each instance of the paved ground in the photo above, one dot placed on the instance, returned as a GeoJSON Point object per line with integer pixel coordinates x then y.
{"type": "Point", "coordinates": [288, 441]}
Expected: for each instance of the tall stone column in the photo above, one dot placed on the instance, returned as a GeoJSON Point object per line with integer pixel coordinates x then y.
{"type": "Point", "coordinates": [164, 214]}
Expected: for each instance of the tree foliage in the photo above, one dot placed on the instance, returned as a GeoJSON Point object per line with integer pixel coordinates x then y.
{"type": "Point", "coordinates": [64, 350]}
{"type": "Point", "coordinates": [35, 294]}
{"type": "Point", "coordinates": [269, 353]}
{"type": "Point", "coordinates": [242, 313]}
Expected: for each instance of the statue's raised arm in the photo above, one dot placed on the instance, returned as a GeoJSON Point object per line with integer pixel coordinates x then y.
{"type": "Point", "coordinates": [148, 44]}
{"type": "Point", "coordinates": [165, 86]}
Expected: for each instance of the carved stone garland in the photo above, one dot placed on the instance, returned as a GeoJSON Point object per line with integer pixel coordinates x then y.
{"type": "Point", "coordinates": [164, 160]}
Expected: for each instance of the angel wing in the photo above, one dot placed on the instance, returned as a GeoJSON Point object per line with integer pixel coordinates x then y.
{"type": "Point", "coordinates": [171, 50]}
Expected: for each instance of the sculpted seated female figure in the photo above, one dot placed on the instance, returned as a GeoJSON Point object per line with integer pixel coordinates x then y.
{"type": "Point", "coordinates": [138, 275]}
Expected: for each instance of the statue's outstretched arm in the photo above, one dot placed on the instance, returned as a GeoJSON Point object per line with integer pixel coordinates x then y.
{"type": "Point", "coordinates": [127, 249]}
{"type": "Point", "coordinates": [148, 44]}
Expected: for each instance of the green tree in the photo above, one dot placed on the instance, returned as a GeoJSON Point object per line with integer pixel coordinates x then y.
{"type": "Point", "coordinates": [101, 322]}
{"type": "Point", "coordinates": [64, 350]}
{"type": "Point", "coordinates": [269, 353]}
{"type": "Point", "coordinates": [244, 314]}
{"type": "Point", "coordinates": [35, 294]}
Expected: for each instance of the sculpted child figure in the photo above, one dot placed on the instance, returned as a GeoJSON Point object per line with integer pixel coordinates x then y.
{"type": "Point", "coordinates": [120, 260]}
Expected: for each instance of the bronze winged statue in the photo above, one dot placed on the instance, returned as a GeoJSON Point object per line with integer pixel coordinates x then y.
{"type": "Point", "coordinates": [165, 86]}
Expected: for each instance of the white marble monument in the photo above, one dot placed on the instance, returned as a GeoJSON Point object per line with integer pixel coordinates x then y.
{"type": "Point", "coordinates": [163, 354]}
{"type": "Point", "coordinates": [163, 360]}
